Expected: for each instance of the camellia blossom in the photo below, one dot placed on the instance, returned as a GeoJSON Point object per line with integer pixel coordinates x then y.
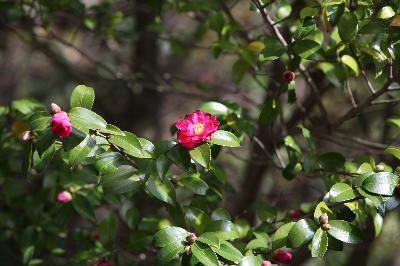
{"type": "Point", "coordinates": [282, 256]}
{"type": "Point", "coordinates": [64, 196]}
{"type": "Point", "coordinates": [104, 263]}
{"type": "Point", "coordinates": [60, 124]}
{"type": "Point", "coordinates": [196, 128]}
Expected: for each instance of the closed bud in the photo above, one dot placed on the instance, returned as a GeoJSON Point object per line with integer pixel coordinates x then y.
{"type": "Point", "coordinates": [379, 168]}
{"type": "Point", "coordinates": [26, 135]}
{"type": "Point", "coordinates": [174, 179]}
{"type": "Point", "coordinates": [191, 238]}
{"type": "Point", "coordinates": [326, 227]}
{"type": "Point", "coordinates": [55, 108]}
{"type": "Point", "coordinates": [188, 249]}
{"type": "Point", "coordinates": [266, 263]}
{"type": "Point", "coordinates": [295, 214]}
{"type": "Point", "coordinates": [282, 256]}
{"type": "Point", "coordinates": [324, 219]}
{"type": "Point", "coordinates": [289, 76]}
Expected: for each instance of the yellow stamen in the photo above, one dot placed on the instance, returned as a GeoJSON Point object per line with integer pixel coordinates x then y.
{"type": "Point", "coordinates": [198, 128]}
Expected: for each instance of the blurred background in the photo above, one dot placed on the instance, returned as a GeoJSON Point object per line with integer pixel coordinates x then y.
{"type": "Point", "coordinates": [151, 62]}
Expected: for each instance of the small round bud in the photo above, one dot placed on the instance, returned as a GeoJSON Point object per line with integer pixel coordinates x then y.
{"type": "Point", "coordinates": [289, 76]}
{"type": "Point", "coordinates": [188, 249]}
{"type": "Point", "coordinates": [191, 238]}
{"type": "Point", "coordinates": [64, 196]}
{"type": "Point", "coordinates": [55, 108]}
{"type": "Point", "coordinates": [174, 179]}
{"type": "Point", "coordinates": [379, 168]}
{"type": "Point", "coordinates": [324, 219]}
{"type": "Point", "coordinates": [295, 214]}
{"type": "Point", "coordinates": [266, 263]}
{"type": "Point", "coordinates": [326, 227]}
{"type": "Point", "coordinates": [26, 135]}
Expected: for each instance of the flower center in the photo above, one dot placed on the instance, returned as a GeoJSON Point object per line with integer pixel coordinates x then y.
{"type": "Point", "coordinates": [198, 128]}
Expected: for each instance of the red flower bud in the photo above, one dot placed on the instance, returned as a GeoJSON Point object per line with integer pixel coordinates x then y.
{"type": "Point", "coordinates": [289, 76]}
{"type": "Point", "coordinates": [64, 196]}
{"type": "Point", "coordinates": [266, 263]}
{"type": "Point", "coordinates": [191, 238]}
{"type": "Point", "coordinates": [324, 219]}
{"type": "Point", "coordinates": [326, 227]}
{"type": "Point", "coordinates": [104, 263]}
{"type": "Point", "coordinates": [282, 256]}
{"type": "Point", "coordinates": [174, 179]}
{"type": "Point", "coordinates": [295, 214]}
{"type": "Point", "coordinates": [196, 128]}
{"type": "Point", "coordinates": [60, 124]}
{"type": "Point", "coordinates": [95, 236]}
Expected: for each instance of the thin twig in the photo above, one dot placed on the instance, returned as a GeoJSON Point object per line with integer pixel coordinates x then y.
{"type": "Point", "coordinates": [353, 101]}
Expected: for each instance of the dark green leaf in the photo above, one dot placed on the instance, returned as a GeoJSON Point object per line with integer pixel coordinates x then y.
{"type": "Point", "coordinates": [84, 119]}
{"type": "Point", "coordinates": [130, 144]}
{"type": "Point", "coordinates": [341, 192]}
{"type": "Point", "coordinates": [345, 231]}
{"type": "Point", "coordinates": [179, 156]}
{"type": "Point", "coordinates": [280, 236]}
{"type": "Point", "coordinates": [169, 252]}
{"type": "Point", "coordinates": [210, 239]}
{"type": "Point", "coordinates": [204, 254]}
{"type": "Point", "coordinates": [123, 180]}
{"type": "Point", "coordinates": [347, 26]}
{"type": "Point", "coordinates": [195, 184]}
{"type": "Point", "coordinates": [162, 190]}
{"type": "Point", "coordinates": [108, 228]}
{"type": "Point", "coordinates": [170, 235]}
{"type": "Point", "coordinates": [229, 252]}
{"type": "Point", "coordinates": [83, 206]}
{"type": "Point", "coordinates": [197, 218]}
{"type": "Point", "coordinates": [239, 69]}
{"type": "Point", "coordinates": [80, 152]}
{"type": "Point", "coordinates": [306, 48]}
{"type": "Point", "coordinates": [269, 112]}
{"type": "Point", "coordinates": [301, 233]}
{"type": "Point", "coordinates": [202, 155]}
{"type": "Point", "coordinates": [319, 244]}
{"type": "Point", "coordinates": [225, 230]}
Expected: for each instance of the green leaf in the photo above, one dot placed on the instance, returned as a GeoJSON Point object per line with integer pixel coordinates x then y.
{"type": "Point", "coordinates": [319, 244]}
{"type": "Point", "coordinates": [197, 218]}
{"type": "Point", "coordinates": [347, 26]}
{"type": "Point", "coordinates": [264, 210]}
{"type": "Point", "coordinates": [39, 122]}
{"type": "Point", "coordinates": [83, 206]}
{"type": "Point", "coordinates": [332, 160]}
{"type": "Point", "coordinates": [108, 163]}
{"type": "Point", "coordinates": [179, 156]}
{"type": "Point", "coordinates": [225, 230]}
{"type": "Point", "coordinates": [80, 152]}
{"type": "Point", "coordinates": [262, 241]}
{"type": "Point", "coordinates": [129, 143]}
{"type": "Point", "coordinates": [341, 192]}
{"type": "Point", "coordinates": [27, 254]}
{"type": "Point", "coordinates": [27, 158]}
{"type": "Point", "coordinates": [306, 48]}
{"type": "Point", "coordinates": [301, 233]}
{"type": "Point", "coordinates": [386, 12]}
{"type": "Point", "coordinates": [269, 112]}
{"type": "Point", "coordinates": [108, 229]}
{"type": "Point", "coordinates": [383, 183]}
{"type": "Point", "coordinates": [210, 239]}
{"type": "Point", "coordinates": [169, 252]}
{"type": "Point", "coordinates": [113, 130]}
{"type": "Point", "coordinates": [345, 231]}
{"type": "Point", "coordinates": [224, 138]}
{"type": "Point", "coordinates": [84, 119]}
{"type": "Point", "coordinates": [169, 236]}
{"type": "Point", "coordinates": [162, 190]}
{"type": "Point", "coordinates": [351, 63]}
{"type": "Point", "coordinates": [202, 155]}
{"type": "Point", "coordinates": [306, 26]}
{"type": "Point", "coordinates": [280, 236]}
{"type": "Point", "coordinates": [378, 223]}
{"type": "Point", "coordinates": [204, 254]}
{"type": "Point", "coordinates": [220, 214]}
{"type": "Point", "coordinates": [239, 68]}
{"type": "Point", "coordinates": [250, 261]}
{"type": "Point", "coordinates": [229, 252]}
{"type": "Point", "coordinates": [273, 50]}
{"type": "Point", "coordinates": [124, 179]}
{"type": "Point", "coordinates": [82, 96]}
{"type": "Point", "coordinates": [195, 184]}
{"type": "Point", "coordinates": [393, 151]}
{"type": "Point", "coordinates": [214, 108]}
{"type": "Point", "coordinates": [359, 180]}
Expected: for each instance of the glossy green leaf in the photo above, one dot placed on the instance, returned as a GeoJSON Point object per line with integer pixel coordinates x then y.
{"type": "Point", "coordinates": [162, 190]}
{"type": "Point", "coordinates": [269, 112]}
{"type": "Point", "coordinates": [383, 183]}
{"type": "Point", "coordinates": [170, 252]}
{"type": "Point", "coordinates": [129, 143]}
{"type": "Point", "coordinates": [124, 179]}
{"type": "Point", "coordinates": [195, 184]}
{"type": "Point", "coordinates": [108, 163]}
{"type": "Point", "coordinates": [80, 152]}
{"type": "Point", "coordinates": [210, 239]}
{"type": "Point", "coordinates": [351, 63]}
{"type": "Point", "coordinates": [345, 231]}
{"type": "Point", "coordinates": [348, 26]}
{"type": "Point", "coordinates": [393, 151]}
{"type": "Point", "coordinates": [229, 252]}
{"type": "Point", "coordinates": [179, 156]}
{"type": "Point", "coordinates": [39, 121]}
{"type": "Point", "coordinates": [341, 192]}
{"type": "Point", "coordinates": [170, 235]}
{"type": "Point", "coordinates": [82, 96]}
{"type": "Point", "coordinates": [214, 108]}
{"type": "Point", "coordinates": [224, 138]}
{"type": "Point", "coordinates": [301, 233]}
{"type": "Point", "coordinates": [273, 50]}
{"type": "Point", "coordinates": [306, 48]}
{"type": "Point", "coordinates": [321, 209]}
{"type": "Point", "coordinates": [197, 218]}
{"type": "Point", "coordinates": [84, 119]}
{"type": "Point", "coordinates": [202, 155]}
{"type": "Point", "coordinates": [319, 244]}
{"type": "Point", "coordinates": [204, 254]}
{"type": "Point", "coordinates": [279, 238]}
{"type": "Point", "coordinates": [113, 130]}
{"type": "Point", "coordinates": [108, 228]}
{"type": "Point", "coordinates": [225, 230]}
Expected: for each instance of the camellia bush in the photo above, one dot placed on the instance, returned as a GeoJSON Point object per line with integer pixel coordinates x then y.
{"type": "Point", "coordinates": [74, 187]}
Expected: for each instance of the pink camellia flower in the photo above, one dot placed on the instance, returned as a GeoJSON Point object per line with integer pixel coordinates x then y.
{"type": "Point", "coordinates": [60, 124]}
{"type": "Point", "coordinates": [104, 263]}
{"type": "Point", "coordinates": [64, 196]}
{"type": "Point", "coordinates": [266, 263]}
{"type": "Point", "coordinates": [282, 256]}
{"type": "Point", "coordinates": [295, 214]}
{"type": "Point", "coordinates": [196, 128]}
